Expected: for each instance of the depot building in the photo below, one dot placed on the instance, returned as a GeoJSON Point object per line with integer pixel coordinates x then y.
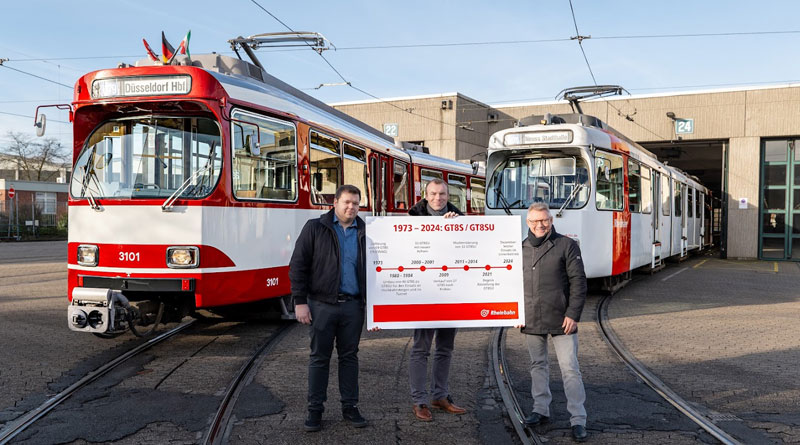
{"type": "Point", "coordinates": [740, 143]}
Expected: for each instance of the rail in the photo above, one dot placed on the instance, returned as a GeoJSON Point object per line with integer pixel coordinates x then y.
{"type": "Point", "coordinates": [26, 420]}
{"type": "Point", "coordinates": [654, 382]}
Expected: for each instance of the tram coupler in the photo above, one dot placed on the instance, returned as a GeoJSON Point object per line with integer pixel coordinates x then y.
{"type": "Point", "coordinates": [99, 311]}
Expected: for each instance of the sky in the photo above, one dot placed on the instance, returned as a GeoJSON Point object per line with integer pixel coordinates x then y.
{"type": "Point", "coordinates": [61, 41]}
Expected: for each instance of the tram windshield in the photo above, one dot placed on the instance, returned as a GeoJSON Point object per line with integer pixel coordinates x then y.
{"type": "Point", "coordinates": [517, 182]}
{"type": "Point", "coordinates": [149, 157]}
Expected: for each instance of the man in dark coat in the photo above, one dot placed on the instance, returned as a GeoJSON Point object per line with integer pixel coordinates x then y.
{"type": "Point", "coordinates": [328, 278]}
{"type": "Point", "coordinates": [435, 204]}
{"type": "Point", "coordinates": [555, 291]}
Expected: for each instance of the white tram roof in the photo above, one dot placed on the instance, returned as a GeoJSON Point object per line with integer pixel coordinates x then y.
{"type": "Point", "coordinates": [589, 131]}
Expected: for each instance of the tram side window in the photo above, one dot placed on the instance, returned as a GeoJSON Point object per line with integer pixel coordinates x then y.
{"type": "Point", "coordinates": [355, 170]}
{"type": "Point", "coordinates": [665, 195]}
{"type": "Point", "coordinates": [698, 204]}
{"type": "Point", "coordinates": [478, 191]}
{"type": "Point", "coordinates": [678, 207]}
{"type": "Point", "coordinates": [264, 158]}
{"type": "Point", "coordinates": [325, 163]}
{"type": "Point", "coordinates": [608, 171]}
{"type": "Point", "coordinates": [400, 185]}
{"type": "Point", "coordinates": [690, 203]}
{"type": "Point", "coordinates": [634, 187]}
{"type": "Point", "coordinates": [427, 176]}
{"type": "Point", "coordinates": [457, 188]}
{"type": "Point", "coordinates": [646, 190]}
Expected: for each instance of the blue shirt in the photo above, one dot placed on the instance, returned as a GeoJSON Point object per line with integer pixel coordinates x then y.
{"type": "Point", "coordinates": [348, 256]}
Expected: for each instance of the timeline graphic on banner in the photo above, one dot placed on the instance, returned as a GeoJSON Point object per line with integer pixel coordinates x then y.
{"type": "Point", "coordinates": [427, 272]}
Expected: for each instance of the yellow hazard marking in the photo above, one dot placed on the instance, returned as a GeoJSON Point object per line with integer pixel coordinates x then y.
{"type": "Point", "coordinates": [776, 266]}
{"type": "Point", "coordinates": [699, 264]}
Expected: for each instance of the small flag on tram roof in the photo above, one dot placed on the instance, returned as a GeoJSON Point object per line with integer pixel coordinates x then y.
{"type": "Point", "coordinates": [183, 48]}
{"type": "Point", "coordinates": [150, 52]}
{"type": "Point", "coordinates": [167, 51]}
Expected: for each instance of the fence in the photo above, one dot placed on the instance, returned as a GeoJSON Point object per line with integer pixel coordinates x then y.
{"type": "Point", "coordinates": [36, 220]}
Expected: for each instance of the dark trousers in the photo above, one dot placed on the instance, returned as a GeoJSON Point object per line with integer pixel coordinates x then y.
{"type": "Point", "coordinates": [338, 324]}
{"type": "Point", "coordinates": [418, 363]}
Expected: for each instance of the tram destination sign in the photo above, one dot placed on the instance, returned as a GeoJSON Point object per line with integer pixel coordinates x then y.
{"type": "Point", "coordinates": [141, 86]}
{"type": "Point", "coordinates": [539, 137]}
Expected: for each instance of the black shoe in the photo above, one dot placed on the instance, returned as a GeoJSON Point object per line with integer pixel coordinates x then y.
{"type": "Point", "coordinates": [536, 419]}
{"type": "Point", "coordinates": [579, 433]}
{"type": "Point", "coordinates": [355, 418]}
{"type": "Point", "coordinates": [314, 421]}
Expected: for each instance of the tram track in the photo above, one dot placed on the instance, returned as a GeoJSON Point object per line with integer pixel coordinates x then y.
{"type": "Point", "coordinates": [689, 410]}
{"type": "Point", "coordinates": [219, 428]}
{"type": "Point", "coordinates": [31, 417]}
{"type": "Point", "coordinates": [502, 373]}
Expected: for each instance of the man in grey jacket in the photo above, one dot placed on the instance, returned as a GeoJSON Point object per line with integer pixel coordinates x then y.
{"type": "Point", "coordinates": [555, 291]}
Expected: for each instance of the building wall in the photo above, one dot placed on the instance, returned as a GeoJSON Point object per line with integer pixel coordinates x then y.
{"type": "Point", "coordinates": [743, 180]}
{"type": "Point", "coordinates": [741, 116]}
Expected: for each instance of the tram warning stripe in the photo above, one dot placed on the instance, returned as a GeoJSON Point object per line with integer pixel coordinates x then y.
{"type": "Point", "coordinates": [445, 312]}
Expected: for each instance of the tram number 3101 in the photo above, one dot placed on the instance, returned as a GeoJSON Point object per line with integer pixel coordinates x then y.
{"type": "Point", "coordinates": [129, 256]}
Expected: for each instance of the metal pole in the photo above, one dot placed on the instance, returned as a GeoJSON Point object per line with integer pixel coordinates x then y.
{"type": "Point", "coordinates": [16, 213]}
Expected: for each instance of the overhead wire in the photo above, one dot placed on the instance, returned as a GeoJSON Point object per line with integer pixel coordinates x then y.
{"type": "Point", "coordinates": [3, 65]}
{"type": "Point", "coordinates": [580, 39]}
{"type": "Point", "coordinates": [350, 84]}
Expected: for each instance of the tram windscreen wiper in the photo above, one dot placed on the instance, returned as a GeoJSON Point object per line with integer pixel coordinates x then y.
{"type": "Point", "coordinates": [499, 195]}
{"type": "Point", "coordinates": [569, 199]}
{"type": "Point", "coordinates": [167, 205]}
{"type": "Point", "coordinates": [88, 175]}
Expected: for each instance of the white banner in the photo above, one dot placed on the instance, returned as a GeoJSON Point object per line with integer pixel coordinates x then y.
{"type": "Point", "coordinates": [430, 272]}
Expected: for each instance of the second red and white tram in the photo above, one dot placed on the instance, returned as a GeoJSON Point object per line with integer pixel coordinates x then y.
{"type": "Point", "coordinates": [626, 209]}
{"type": "Point", "coordinates": [192, 180]}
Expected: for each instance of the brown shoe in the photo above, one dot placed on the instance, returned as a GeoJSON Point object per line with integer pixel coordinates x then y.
{"type": "Point", "coordinates": [447, 405]}
{"type": "Point", "coordinates": [422, 413]}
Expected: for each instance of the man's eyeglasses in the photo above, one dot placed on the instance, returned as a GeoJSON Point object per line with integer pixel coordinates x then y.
{"type": "Point", "coordinates": [536, 222]}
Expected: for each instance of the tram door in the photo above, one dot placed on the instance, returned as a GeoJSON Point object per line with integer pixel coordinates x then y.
{"type": "Point", "coordinates": [656, 221]}
{"type": "Point", "coordinates": [378, 172]}
{"type": "Point", "coordinates": [681, 202]}
{"type": "Point", "coordinates": [665, 226]}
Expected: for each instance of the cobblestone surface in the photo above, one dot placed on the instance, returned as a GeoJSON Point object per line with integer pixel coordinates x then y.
{"type": "Point", "coordinates": [620, 408]}
{"type": "Point", "coordinates": [385, 399]}
{"type": "Point", "coordinates": [723, 334]}
{"type": "Point", "coordinates": [37, 350]}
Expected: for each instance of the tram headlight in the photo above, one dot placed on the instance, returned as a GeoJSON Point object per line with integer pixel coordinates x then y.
{"type": "Point", "coordinates": [183, 257]}
{"type": "Point", "coordinates": [87, 255]}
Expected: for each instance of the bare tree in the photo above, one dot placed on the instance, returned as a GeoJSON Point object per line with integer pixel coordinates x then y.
{"type": "Point", "coordinates": [36, 161]}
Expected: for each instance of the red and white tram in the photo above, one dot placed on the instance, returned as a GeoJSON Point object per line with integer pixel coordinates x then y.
{"type": "Point", "coordinates": [627, 209]}
{"type": "Point", "coordinates": [192, 179]}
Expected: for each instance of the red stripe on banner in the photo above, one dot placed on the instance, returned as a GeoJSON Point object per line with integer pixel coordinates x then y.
{"type": "Point", "coordinates": [445, 312]}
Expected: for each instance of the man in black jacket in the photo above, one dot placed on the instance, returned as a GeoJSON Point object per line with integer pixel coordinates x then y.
{"type": "Point", "coordinates": [555, 291]}
{"type": "Point", "coordinates": [328, 278]}
{"type": "Point", "coordinates": [435, 204]}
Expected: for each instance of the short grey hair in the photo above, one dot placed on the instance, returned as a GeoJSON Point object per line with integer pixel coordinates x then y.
{"type": "Point", "coordinates": [540, 207]}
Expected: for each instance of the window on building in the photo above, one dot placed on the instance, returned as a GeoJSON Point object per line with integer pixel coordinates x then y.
{"type": "Point", "coordinates": [646, 190]}
{"type": "Point", "coordinates": [608, 171]}
{"type": "Point", "coordinates": [665, 202]}
{"type": "Point", "coordinates": [457, 189]}
{"type": "Point", "coordinates": [477, 200]}
{"type": "Point", "coordinates": [400, 185]}
{"type": "Point", "coordinates": [46, 203]}
{"type": "Point", "coordinates": [325, 163]}
{"type": "Point", "coordinates": [355, 170]}
{"type": "Point", "coordinates": [634, 187]}
{"type": "Point", "coordinates": [264, 158]}
{"type": "Point", "coordinates": [427, 176]}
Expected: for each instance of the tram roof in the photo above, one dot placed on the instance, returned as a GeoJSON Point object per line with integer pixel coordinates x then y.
{"type": "Point", "coordinates": [245, 82]}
